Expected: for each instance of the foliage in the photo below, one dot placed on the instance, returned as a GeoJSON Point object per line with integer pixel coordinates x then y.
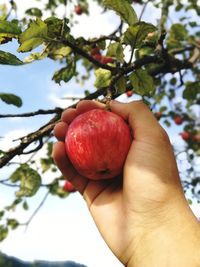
{"type": "Point", "coordinates": [156, 62]}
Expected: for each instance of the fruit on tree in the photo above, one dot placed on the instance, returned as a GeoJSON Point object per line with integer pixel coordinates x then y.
{"type": "Point", "coordinates": [97, 57]}
{"type": "Point", "coordinates": [178, 120]}
{"type": "Point", "coordinates": [185, 135]}
{"type": "Point", "coordinates": [68, 187]}
{"type": "Point", "coordinates": [97, 143]}
{"type": "Point", "coordinates": [106, 60]}
{"type": "Point", "coordinates": [95, 51]}
{"type": "Point", "coordinates": [78, 10]}
{"type": "Point", "coordinates": [129, 93]}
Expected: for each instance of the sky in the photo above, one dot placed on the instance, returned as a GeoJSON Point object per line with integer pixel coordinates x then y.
{"type": "Point", "coordinates": [62, 229]}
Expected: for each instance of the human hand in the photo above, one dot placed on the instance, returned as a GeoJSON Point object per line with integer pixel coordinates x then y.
{"type": "Point", "coordinates": [143, 215]}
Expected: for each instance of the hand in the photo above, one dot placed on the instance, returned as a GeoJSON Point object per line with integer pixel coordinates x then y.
{"type": "Point", "coordinates": [143, 216]}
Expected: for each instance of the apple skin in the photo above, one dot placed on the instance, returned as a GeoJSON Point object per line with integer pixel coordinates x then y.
{"type": "Point", "coordinates": [68, 187]}
{"type": "Point", "coordinates": [97, 143]}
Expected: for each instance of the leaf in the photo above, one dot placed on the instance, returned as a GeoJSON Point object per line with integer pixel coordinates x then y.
{"type": "Point", "coordinates": [192, 90]}
{"type": "Point", "coordinates": [3, 232]}
{"type": "Point", "coordinates": [56, 190]}
{"type": "Point", "coordinates": [33, 36]}
{"type": "Point", "coordinates": [8, 30]}
{"type": "Point", "coordinates": [11, 99]}
{"type": "Point", "coordinates": [178, 32]}
{"type": "Point", "coordinates": [123, 8]}
{"type": "Point", "coordinates": [12, 223]}
{"type": "Point", "coordinates": [58, 51]}
{"type": "Point", "coordinates": [7, 58]}
{"type": "Point", "coordinates": [57, 27]}
{"type": "Point", "coordinates": [2, 212]}
{"type": "Point", "coordinates": [142, 82]}
{"type": "Point", "coordinates": [35, 56]}
{"type": "Point", "coordinates": [136, 34]}
{"type": "Point", "coordinates": [103, 78]}
{"type": "Point", "coordinates": [116, 50]}
{"type": "Point", "coordinates": [65, 74]}
{"type": "Point", "coordinates": [30, 180]}
{"type": "Point", "coordinates": [34, 12]}
{"type": "Point", "coordinates": [25, 205]}
{"type": "Point", "coordinates": [9, 27]}
{"type": "Point", "coordinates": [121, 85]}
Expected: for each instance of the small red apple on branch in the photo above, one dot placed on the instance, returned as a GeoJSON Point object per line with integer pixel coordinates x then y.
{"type": "Point", "coordinates": [97, 144]}
{"type": "Point", "coordinates": [68, 187]}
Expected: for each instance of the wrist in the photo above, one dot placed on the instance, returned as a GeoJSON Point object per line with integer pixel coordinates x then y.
{"type": "Point", "coordinates": [176, 243]}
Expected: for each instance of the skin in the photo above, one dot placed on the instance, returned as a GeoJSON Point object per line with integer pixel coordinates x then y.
{"type": "Point", "coordinates": [143, 216]}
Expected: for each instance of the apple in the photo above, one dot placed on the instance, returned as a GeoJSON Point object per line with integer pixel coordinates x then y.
{"type": "Point", "coordinates": [97, 143]}
{"type": "Point", "coordinates": [95, 51]}
{"type": "Point", "coordinates": [97, 57]}
{"type": "Point", "coordinates": [68, 187]}
{"type": "Point", "coordinates": [185, 136]}
{"type": "Point", "coordinates": [106, 60]}
{"type": "Point", "coordinates": [129, 93]}
{"type": "Point", "coordinates": [78, 10]}
{"type": "Point", "coordinates": [178, 120]}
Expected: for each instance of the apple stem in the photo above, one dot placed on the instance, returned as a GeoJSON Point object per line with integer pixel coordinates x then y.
{"type": "Point", "coordinates": [108, 98]}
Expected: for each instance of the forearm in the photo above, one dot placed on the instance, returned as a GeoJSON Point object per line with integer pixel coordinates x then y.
{"type": "Point", "coordinates": [176, 244]}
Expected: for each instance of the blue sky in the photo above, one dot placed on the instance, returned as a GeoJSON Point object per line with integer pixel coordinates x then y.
{"type": "Point", "coordinates": [63, 229]}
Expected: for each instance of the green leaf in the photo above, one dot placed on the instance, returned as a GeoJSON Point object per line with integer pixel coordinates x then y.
{"type": "Point", "coordinates": [123, 8]}
{"type": "Point", "coordinates": [25, 205]}
{"type": "Point", "coordinates": [58, 51]}
{"type": "Point", "coordinates": [35, 56]}
{"type": "Point", "coordinates": [11, 99]}
{"type": "Point", "coordinates": [142, 82]}
{"type": "Point", "coordinates": [9, 27]}
{"type": "Point", "coordinates": [192, 90]}
{"type": "Point", "coordinates": [121, 85]}
{"type": "Point", "coordinates": [116, 50]}
{"type": "Point", "coordinates": [33, 36]}
{"type": "Point", "coordinates": [56, 190]}
{"type": "Point", "coordinates": [103, 78]}
{"type": "Point", "coordinates": [12, 223]}
{"type": "Point", "coordinates": [178, 32]}
{"type": "Point", "coordinates": [3, 232]}
{"type": "Point", "coordinates": [30, 180]}
{"type": "Point", "coordinates": [57, 27]}
{"type": "Point", "coordinates": [65, 74]}
{"type": "Point", "coordinates": [8, 30]}
{"type": "Point", "coordinates": [136, 34]}
{"type": "Point", "coordinates": [34, 12]}
{"type": "Point", "coordinates": [46, 164]}
{"type": "Point", "coordinates": [2, 212]}
{"type": "Point", "coordinates": [7, 58]}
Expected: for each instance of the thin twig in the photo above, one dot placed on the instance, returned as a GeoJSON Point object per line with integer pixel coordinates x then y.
{"type": "Point", "coordinates": [36, 211]}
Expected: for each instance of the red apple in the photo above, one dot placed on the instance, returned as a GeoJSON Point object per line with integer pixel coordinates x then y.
{"type": "Point", "coordinates": [95, 50]}
{"type": "Point", "coordinates": [185, 136]}
{"type": "Point", "coordinates": [129, 93]}
{"type": "Point", "coordinates": [178, 120]}
{"type": "Point", "coordinates": [106, 60]}
{"type": "Point", "coordinates": [98, 57]}
{"type": "Point", "coordinates": [97, 143]}
{"type": "Point", "coordinates": [196, 137]}
{"type": "Point", "coordinates": [68, 187]}
{"type": "Point", "coordinates": [78, 10]}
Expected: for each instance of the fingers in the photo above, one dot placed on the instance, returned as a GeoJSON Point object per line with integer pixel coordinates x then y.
{"type": "Point", "coordinates": [71, 113]}
{"type": "Point", "coordinates": [144, 125]}
{"type": "Point", "coordinates": [60, 131]}
{"type": "Point", "coordinates": [63, 163]}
